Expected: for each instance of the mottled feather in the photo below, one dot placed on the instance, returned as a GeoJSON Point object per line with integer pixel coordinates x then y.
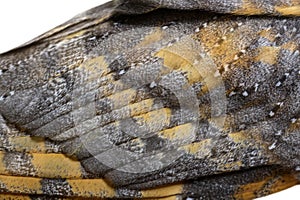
{"type": "Point", "coordinates": [157, 100]}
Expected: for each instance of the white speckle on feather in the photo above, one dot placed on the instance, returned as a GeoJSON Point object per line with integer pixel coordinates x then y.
{"type": "Point", "coordinates": [280, 104]}
{"type": "Point", "coordinates": [243, 51]}
{"type": "Point", "coordinates": [226, 67]}
{"type": "Point", "coordinates": [293, 120]}
{"type": "Point", "coordinates": [205, 25]}
{"type": "Point", "coordinates": [1, 98]}
{"type": "Point", "coordinates": [122, 72]}
{"type": "Point", "coordinates": [272, 146]}
{"type": "Point", "coordinates": [1, 72]}
{"type": "Point", "coordinates": [245, 94]}
{"type": "Point", "coordinates": [231, 29]}
{"type": "Point", "coordinates": [256, 87]}
{"type": "Point", "coordinates": [278, 84]}
{"type": "Point", "coordinates": [287, 74]}
{"type": "Point", "coordinates": [297, 168]}
{"type": "Point", "coordinates": [236, 57]}
{"type": "Point", "coordinates": [278, 133]}
{"type": "Point", "coordinates": [284, 28]}
{"type": "Point", "coordinates": [240, 24]}
{"type": "Point", "coordinates": [153, 84]}
{"type": "Point", "coordinates": [294, 29]}
{"type": "Point", "coordinates": [232, 93]}
{"type": "Point", "coordinates": [197, 30]}
{"type": "Point", "coordinates": [92, 38]}
{"type": "Point", "coordinates": [278, 35]}
{"type": "Point", "coordinates": [165, 27]}
{"type": "Point", "coordinates": [271, 114]}
{"type": "Point", "coordinates": [12, 93]}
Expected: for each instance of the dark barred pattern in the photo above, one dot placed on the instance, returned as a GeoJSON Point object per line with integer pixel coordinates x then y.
{"type": "Point", "coordinates": [155, 99]}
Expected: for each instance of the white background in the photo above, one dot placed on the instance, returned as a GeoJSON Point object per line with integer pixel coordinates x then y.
{"type": "Point", "coordinates": [22, 20]}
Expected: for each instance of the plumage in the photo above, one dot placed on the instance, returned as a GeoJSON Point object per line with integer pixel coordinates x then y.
{"type": "Point", "coordinates": [157, 100]}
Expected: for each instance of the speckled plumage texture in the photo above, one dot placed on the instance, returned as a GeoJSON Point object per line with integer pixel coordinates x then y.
{"type": "Point", "coordinates": [155, 99]}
